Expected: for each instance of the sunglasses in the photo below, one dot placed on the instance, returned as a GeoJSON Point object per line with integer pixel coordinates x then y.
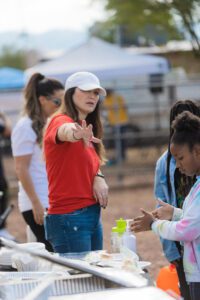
{"type": "Point", "coordinates": [56, 101]}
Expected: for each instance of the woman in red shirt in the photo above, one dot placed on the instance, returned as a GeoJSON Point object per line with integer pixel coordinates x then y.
{"type": "Point", "coordinates": [74, 153]}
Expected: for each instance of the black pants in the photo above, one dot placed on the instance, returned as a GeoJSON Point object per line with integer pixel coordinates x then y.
{"type": "Point", "coordinates": [184, 286]}
{"type": "Point", "coordinates": [38, 230]}
{"type": "Point", "coordinates": [194, 290]}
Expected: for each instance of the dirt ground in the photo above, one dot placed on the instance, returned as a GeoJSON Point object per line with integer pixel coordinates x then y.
{"type": "Point", "coordinates": [124, 202]}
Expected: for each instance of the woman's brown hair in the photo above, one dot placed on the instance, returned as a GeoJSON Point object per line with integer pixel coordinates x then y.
{"type": "Point", "coordinates": [93, 118]}
{"type": "Point", "coordinates": [38, 85]}
{"type": "Point", "coordinates": [179, 107]}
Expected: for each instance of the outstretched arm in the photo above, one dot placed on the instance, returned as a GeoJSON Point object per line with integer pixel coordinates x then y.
{"type": "Point", "coordinates": [73, 132]}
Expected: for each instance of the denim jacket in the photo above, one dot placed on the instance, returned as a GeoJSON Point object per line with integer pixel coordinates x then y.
{"type": "Point", "coordinates": [161, 191]}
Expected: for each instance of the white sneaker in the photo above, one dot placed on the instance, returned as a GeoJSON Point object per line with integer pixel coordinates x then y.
{"type": "Point", "coordinates": [5, 234]}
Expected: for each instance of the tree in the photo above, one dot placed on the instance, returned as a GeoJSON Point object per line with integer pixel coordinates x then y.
{"type": "Point", "coordinates": [169, 16]}
{"type": "Point", "coordinates": [136, 18]}
{"type": "Point", "coordinates": [189, 13]}
{"type": "Point", "coordinates": [12, 58]}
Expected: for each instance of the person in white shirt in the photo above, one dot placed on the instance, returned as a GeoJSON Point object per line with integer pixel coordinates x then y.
{"type": "Point", "coordinates": [43, 96]}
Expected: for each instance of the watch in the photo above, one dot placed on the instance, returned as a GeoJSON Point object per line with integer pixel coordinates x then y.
{"type": "Point", "coordinates": [100, 175]}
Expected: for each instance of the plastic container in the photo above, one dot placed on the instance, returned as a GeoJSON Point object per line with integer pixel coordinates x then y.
{"type": "Point", "coordinates": [121, 225]}
{"type": "Point", "coordinates": [168, 279]}
{"type": "Point", "coordinates": [129, 239]}
{"type": "Point", "coordinates": [116, 235]}
{"type": "Point", "coordinates": [115, 240]}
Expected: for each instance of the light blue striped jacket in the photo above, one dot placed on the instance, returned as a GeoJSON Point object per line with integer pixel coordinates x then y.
{"type": "Point", "coordinates": [185, 227]}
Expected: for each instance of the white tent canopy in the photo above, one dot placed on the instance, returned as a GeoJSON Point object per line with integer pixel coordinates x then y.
{"type": "Point", "coordinates": [107, 61]}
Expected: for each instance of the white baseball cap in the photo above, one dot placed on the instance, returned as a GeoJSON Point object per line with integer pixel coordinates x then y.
{"type": "Point", "coordinates": [85, 81]}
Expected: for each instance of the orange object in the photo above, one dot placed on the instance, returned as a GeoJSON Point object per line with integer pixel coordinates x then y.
{"type": "Point", "coordinates": [168, 279]}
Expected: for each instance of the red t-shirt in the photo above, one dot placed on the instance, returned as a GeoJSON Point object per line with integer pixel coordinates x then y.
{"type": "Point", "coordinates": [71, 168]}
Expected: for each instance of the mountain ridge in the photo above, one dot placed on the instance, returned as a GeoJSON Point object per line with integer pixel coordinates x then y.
{"type": "Point", "coordinates": [53, 40]}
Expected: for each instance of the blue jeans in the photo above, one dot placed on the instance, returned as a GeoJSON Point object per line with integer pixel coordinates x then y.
{"type": "Point", "coordinates": [79, 231]}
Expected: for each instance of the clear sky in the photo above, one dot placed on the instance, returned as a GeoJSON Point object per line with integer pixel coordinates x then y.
{"type": "Point", "coordinates": [36, 16]}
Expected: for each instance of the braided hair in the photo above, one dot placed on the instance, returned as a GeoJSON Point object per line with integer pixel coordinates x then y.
{"type": "Point", "coordinates": [178, 108]}
{"type": "Point", "coordinates": [186, 129]}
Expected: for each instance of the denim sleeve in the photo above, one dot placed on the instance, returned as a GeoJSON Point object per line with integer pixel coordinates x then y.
{"type": "Point", "coordinates": [159, 191]}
